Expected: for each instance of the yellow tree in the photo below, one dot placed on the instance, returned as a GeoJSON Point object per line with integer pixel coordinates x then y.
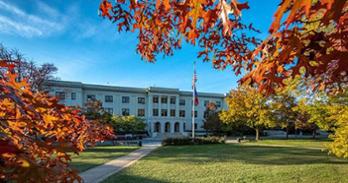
{"type": "Point", "coordinates": [247, 106]}
{"type": "Point", "coordinates": [338, 110]}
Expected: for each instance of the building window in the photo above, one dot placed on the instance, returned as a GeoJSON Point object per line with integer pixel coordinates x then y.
{"type": "Point", "coordinates": [125, 99]}
{"type": "Point", "coordinates": [206, 102]}
{"type": "Point", "coordinates": [90, 97]}
{"type": "Point", "coordinates": [141, 100]}
{"type": "Point", "coordinates": [172, 112]}
{"type": "Point", "coordinates": [182, 113]}
{"type": "Point", "coordinates": [195, 126]}
{"type": "Point", "coordinates": [184, 126]}
{"type": "Point", "coordinates": [177, 127]}
{"type": "Point", "coordinates": [172, 100]}
{"type": "Point", "coordinates": [167, 127]}
{"type": "Point", "coordinates": [157, 127]}
{"type": "Point", "coordinates": [73, 96]}
{"type": "Point", "coordinates": [155, 99]}
{"type": "Point", "coordinates": [125, 112]}
{"type": "Point", "coordinates": [195, 114]}
{"type": "Point", "coordinates": [164, 99]}
{"type": "Point", "coordinates": [60, 95]}
{"type": "Point", "coordinates": [218, 104]}
{"type": "Point", "coordinates": [182, 102]}
{"type": "Point", "coordinates": [164, 112]}
{"type": "Point", "coordinates": [109, 110]}
{"type": "Point", "coordinates": [154, 112]}
{"type": "Point", "coordinates": [109, 98]}
{"type": "Point", "coordinates": [141, 112]}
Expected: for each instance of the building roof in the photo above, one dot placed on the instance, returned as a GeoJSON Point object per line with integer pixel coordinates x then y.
{"type": "Point", "coordinates": [74, 84]}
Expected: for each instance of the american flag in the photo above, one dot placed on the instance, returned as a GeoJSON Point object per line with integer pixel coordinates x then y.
{"type": "Point", "coordinates": [194, 80]}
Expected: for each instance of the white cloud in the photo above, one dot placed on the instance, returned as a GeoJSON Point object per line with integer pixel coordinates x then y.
{"type": "Point", "coordinates": [15, 20]}
{"type": "Point", "coordinates": [45, 8]}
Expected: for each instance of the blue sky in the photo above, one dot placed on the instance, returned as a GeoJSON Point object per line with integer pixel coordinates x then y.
{"type": "Point", "coordinates": [87, 48]}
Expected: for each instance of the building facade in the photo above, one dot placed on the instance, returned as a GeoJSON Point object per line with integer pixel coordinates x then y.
{"type": "Point", "coordinates": [166, 111]}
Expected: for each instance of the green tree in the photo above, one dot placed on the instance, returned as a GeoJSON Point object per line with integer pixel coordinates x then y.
{"type": "Point", "coordinates": [128, 124]}
{"type": "Point", "coordinates": [212, 122]}
{"type": "Point", "coordinates": [94, 111]}
{"type": "Point", "coordinates": [247, 106]}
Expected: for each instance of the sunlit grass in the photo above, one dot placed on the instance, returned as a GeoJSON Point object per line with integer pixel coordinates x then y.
{"type": "Point", "coordinates": [249, 162]}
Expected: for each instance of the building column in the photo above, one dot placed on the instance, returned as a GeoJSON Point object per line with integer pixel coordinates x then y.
{"type": "Point", "coordinates": [172, 126]}
{"type": "Point", "coordinates": [162, 126]}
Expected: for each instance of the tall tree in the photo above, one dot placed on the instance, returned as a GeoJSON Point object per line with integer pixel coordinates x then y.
{"type": "Point", "coordinates": [212, 122]}
{"type": "Point", "coordinates": [35, 75]}
{"type": "Point", "coordinates": [247, 106]}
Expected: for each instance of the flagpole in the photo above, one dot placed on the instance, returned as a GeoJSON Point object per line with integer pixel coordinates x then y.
{"type": "Point", "coordinates": [193, 101]}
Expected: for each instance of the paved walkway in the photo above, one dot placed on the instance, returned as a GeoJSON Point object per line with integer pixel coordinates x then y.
{"type": "Point", "coordinates": [101, 172]}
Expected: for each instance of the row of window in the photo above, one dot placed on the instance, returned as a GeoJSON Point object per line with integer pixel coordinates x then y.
{"type": "Point", "coordinates": [126, 99]}
{"type": "Point", "coordinates": [164, 100]}
{"type": "Point", "coordinates": [110, 99]}
{"type": "Point", "coordinates": [155, 112]}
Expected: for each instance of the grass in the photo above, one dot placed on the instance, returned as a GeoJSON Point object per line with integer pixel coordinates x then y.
{"type": "Point", "coordinates": [265, 161]}
{"type": "Point", "coordinates": [98, 155]}
{"type": "Point", "coordinates": [305, 143]}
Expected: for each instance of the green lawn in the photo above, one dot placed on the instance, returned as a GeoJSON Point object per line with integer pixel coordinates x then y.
{"type": "Point", "coordinates": [305, 143]}
{"type": "Point", "coordinates": [265, 161]}
{"type": "Point", "coordinates": [98, 155]}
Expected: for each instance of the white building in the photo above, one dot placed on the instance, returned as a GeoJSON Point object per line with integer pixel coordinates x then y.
{"type": "Point", "coordinates": [167, 111]}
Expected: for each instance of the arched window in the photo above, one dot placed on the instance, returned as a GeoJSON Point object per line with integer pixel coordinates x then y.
{"type": "Point", "coordinates": [167, 127]}
{"type": "Point", "coordinates": [157, 127]}
{"type": "Point", "coordinates": [177, 127]}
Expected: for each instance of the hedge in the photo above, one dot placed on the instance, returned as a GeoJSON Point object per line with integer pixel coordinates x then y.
{"type": "Point", "coordinates": [189, 141]}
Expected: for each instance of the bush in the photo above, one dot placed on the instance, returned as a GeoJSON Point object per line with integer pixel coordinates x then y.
{"type": "Point", "coordinates": [189, 141]}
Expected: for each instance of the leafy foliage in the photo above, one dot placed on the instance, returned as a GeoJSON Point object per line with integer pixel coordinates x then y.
{"type": "Point", "coordinates": [247, 106]}
{"type": "Point", "coordinates": [307, 38]}
{"type": "Point", "coordinates": [93, 110]}
{"type": "Point", "coordinates": [36, 132]}
{"type": "Point", "coordinates": [338, 110]}
{"type": "Point", "coordinates": [162, 26]}
{"type": "Point", "coordinates": [212, 122]}
{"type": "Point", "coordinates": [128, 124]}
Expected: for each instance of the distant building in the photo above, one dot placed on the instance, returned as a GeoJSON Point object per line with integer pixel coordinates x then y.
{"type": "Point", "coordinates": [166, 111]}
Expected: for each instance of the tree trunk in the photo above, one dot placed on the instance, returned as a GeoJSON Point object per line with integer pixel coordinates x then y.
{"type": "Point", "coordinates": [257, 137]}
{"type": "Point", "coordinates": [314, 133]}
{"type": "Point", "coordinates": [287, 131]}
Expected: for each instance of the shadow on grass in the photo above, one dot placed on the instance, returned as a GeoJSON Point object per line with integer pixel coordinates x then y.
{"type": "Point", "coordinates": [132, 179]}
{"type": "Point", "coordinates": [98, 155]}
{"type": "Point", "coordinates": [251, 154]}
{"type": "Point", "coordinates": [109, 149]}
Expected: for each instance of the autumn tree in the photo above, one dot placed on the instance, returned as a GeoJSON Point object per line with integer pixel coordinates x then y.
{"type": "Point", "coordinates": [35, 75]}
{"type": "Point", "coordinates": [36, 132]}
{"type": "Point", "coordinates": [338, 116]}
{"type": "Point", "coordinates": [247, 106]}
{"type": "Point", "coordinates": [308, 35]}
